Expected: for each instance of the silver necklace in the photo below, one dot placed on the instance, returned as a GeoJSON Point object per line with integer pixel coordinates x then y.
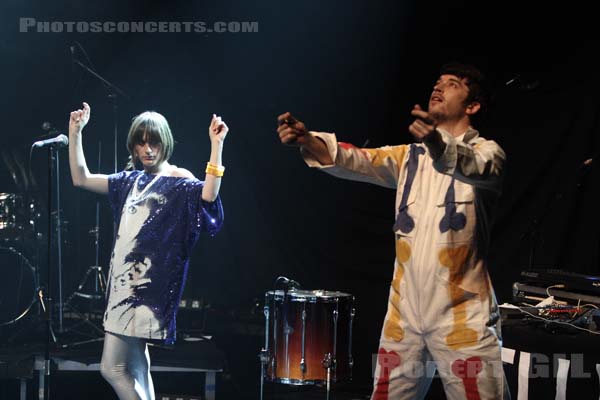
{"type": "Point", "coordinates": [136, 196]}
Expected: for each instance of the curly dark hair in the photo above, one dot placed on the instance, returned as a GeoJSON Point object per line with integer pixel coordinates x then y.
{"type": "Point", "coordinates": [475, 80]}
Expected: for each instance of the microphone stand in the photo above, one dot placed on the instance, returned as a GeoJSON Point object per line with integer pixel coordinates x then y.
{"type": "Point", "coordinates": [45, 293]}
{"type": "Point", "coordinates": [58, 243]}
{"type": "Point", "coordinates": [114, 91]}
{"type": "Point", "coordinates": [99, 276]}
{"type": "Point", "coordinates": [113, 96]}
{"type": "Point", "coordinates": [533, 229]}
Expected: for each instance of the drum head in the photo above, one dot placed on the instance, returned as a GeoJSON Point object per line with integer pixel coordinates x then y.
{"type": "Point", "coordinates": [17, 286]}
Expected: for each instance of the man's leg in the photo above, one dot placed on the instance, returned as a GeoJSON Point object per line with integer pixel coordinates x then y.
{"type": "Point", "coordinates": [404, 369]}
{"type": "Point", "coordinates": [468, 356]}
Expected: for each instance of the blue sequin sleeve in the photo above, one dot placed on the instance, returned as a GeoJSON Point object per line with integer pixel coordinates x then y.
{"type": "Point", "coordinates": [208, 217]}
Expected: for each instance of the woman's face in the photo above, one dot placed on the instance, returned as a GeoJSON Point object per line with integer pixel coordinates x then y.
{"type": "Point", "coordinates": [149, 153]}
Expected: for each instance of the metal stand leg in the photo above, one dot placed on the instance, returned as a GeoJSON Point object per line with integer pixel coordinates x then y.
{"type": "Point", "coordinates": [210, 385]}
{"type": "Point", "coordinates": [95, 298]}
{"type": "Point", "coordinates": [264, 352]}
{"type": "Point", "coordinates": [23, 389]}
{"type": "Point", "coordinates": [41, 383]}
{"type": "Point", "coordinates": [262, 382]}
{"type": "Point", "coordinates": [264, 359]}
{"type": "Point", "coordinates": [327, 364]}
{"type": "Point", "coordinates": [328, 382]}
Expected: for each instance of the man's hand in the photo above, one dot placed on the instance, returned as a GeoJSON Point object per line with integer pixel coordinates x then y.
{"type": "Point", "coordinates": [291, 131]}
{"type": "Point", "coordinates": [424, 124]}
{"type": "Point", "coordinates": [79, 119]}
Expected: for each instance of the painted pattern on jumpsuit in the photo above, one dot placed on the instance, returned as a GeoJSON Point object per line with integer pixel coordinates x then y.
{"type": "Point", "coordinates": [442, 313]}
{"type": "Point", "coordinates": [158, 219]}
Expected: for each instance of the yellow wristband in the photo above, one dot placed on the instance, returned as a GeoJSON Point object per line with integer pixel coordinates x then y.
{"type": "Point", "coordinates": [216, 170]}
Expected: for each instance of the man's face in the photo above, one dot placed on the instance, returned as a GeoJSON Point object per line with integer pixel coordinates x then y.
{"type": "Point", "coordinates": [448, 98]}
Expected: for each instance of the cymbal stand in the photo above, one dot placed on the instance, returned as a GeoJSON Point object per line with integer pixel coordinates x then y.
{"type": "Point", "coordinates": [99, 286]}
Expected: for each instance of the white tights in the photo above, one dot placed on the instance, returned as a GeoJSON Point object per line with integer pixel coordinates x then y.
{"type": "Point", "coordinates": [126, 366]}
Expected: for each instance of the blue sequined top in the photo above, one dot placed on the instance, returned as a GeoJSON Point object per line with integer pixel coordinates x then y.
{"type": "Point", "coordinates": [158, 221]}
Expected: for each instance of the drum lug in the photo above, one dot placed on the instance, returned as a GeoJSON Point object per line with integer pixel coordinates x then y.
{"type": "Point", "coordinates": [266, 313]}
{"type": "Point", "coordinates": [303, 359]}
{"type": "Point", "coordinates": [303, 355]}
{"type": "Point", "coordinates": [271, 352]}
{"type": "Point", "coordinates": [264, 353]}
{"type": "Point", "coordinates": [263, 356]}
{"type": "Point", "coordinates": [335, 335]}
{"type": "Point", "coordinates": [350, 357]}
{"type": "Point", "coordinates": [275, 324]}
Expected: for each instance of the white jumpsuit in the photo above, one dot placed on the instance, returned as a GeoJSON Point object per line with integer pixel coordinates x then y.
{"type": "Point", "coordinates": [442, 312]}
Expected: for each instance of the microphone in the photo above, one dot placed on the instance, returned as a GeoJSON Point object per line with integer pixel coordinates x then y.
{"type": "Point", "coordinates": [293, 284]}
{"type": "Point", "coordinates": [59, 141]}
{"type": "Point", "coordinates": [288, 283]}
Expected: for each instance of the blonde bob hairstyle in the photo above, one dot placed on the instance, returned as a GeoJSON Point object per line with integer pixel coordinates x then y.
{"type": "Point", "coordinates": [152, 127]}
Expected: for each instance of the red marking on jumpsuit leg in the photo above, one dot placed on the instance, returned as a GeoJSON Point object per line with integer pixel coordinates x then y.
{"type": "Point", "coordinates": [387, 362]}
{"type": "Point", "coordinates": [467, 370]}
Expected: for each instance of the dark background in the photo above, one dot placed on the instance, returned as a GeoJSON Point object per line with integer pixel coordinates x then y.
{"type": "Point", "coordinates": [354, 68]}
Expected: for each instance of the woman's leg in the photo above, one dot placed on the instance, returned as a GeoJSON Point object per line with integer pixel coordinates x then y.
{"type": "Point", "coordinates": [126, 366]}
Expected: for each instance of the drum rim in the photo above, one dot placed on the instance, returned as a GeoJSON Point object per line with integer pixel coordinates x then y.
{"type": "Point", "coordinates": [35, 284]}
{"type": "Point", "coordinates": [309, 294]}
{"type": "Point", "coordinates": [302, 382]}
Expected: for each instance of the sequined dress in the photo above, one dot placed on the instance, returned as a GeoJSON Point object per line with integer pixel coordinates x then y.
{"type": "Point", "coordinates": [158, 220]}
